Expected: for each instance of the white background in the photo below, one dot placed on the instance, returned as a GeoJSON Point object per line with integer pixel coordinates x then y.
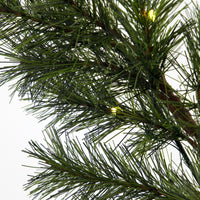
{"type": "Point", "coordinates": [17, 129]}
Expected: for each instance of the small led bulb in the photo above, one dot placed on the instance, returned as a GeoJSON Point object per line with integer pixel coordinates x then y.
{"type": "Point", "coordinates": [152, 15]}
{"type": "Point", "coordinates": [114, 110]}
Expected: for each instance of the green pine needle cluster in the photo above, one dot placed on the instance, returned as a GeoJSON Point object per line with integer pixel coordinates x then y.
{"type": "Point", "coordinates": [105, 173]}
{"type": "Point", "coordinates": [102, 68]}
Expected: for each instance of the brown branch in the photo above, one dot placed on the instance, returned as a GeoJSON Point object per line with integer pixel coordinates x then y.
{"type": "Point", "coordinates": [6, 10]}
{"type": "Point", "coordinates": [177, 108]}
{"type": "Point", "coordinates": [198, 95]}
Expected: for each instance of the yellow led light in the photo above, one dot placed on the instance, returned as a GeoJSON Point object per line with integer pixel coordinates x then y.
{"type": "Point", "coordinates": [152, 15]}
{"type": "Point", "coordinates": [115, 110]}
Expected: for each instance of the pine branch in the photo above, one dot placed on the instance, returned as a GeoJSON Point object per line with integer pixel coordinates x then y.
{"type": "Point", "coordinates": [101, 65]}
{"type": "Point", "coordinates": [111, 175]}
{"type": "Point", "coordinates": [25, 16]}
{"type": "Point", "coordinates": [132, 76]}
{"type": "Point", "coordinates": [121, 69]}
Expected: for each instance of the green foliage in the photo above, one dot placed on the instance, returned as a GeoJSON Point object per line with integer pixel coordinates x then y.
{"type": "Point", "coordinates": [86, 58]}
{"type": "Point", "coordinates": [105, 173]}
{"type": "Point", "coordinates": [100, 67]}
